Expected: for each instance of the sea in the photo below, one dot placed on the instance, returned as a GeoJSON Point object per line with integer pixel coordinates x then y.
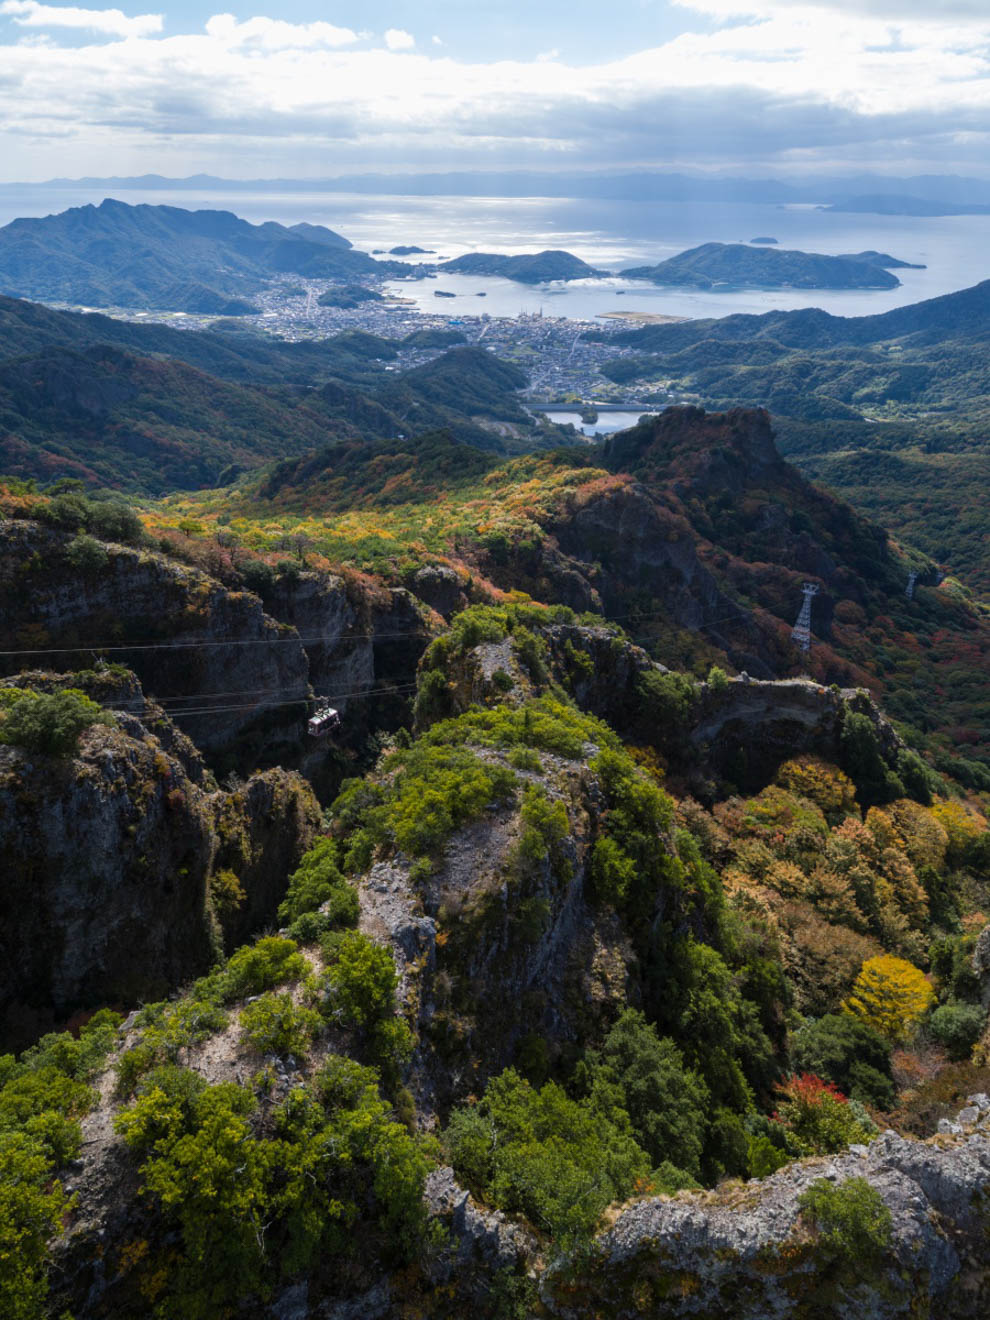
{"type": "Point", "coordinates": [609, 235]}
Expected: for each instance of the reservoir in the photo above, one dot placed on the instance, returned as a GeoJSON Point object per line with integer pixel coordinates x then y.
{"type": "Point", "coordinates": [607, 423]}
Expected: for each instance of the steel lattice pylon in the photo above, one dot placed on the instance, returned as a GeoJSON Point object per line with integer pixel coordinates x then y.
{"type": "Point", "coordinates": [801, 632]}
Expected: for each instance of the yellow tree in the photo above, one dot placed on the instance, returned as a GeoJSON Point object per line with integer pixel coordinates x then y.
{"type": "Point", "coordinates": [890, 995]}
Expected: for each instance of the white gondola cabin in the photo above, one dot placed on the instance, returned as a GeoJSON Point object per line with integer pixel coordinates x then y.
{"type": "Point", "coordinates": [325, 721]}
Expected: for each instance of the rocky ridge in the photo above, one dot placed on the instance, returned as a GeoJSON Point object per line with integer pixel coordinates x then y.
{"type": "Point", "coordinates": [744, 1250]}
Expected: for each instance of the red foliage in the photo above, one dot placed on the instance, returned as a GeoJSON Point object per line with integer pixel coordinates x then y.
{"type": "Point", "coordinates": [809, 1090]}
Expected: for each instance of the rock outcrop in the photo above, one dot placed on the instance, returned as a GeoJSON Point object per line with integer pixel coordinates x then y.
{"type": "Point", "coordinates": [110, 859]}
{"type": "Point", "coordinates": [745, 1251]}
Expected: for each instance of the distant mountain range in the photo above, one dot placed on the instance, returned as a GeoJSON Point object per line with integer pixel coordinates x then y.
{"type": "Point", "coordinates": [741, 265]}
{"type": "Point", "coordinates": [894, 204]}
{"type": "Point", "coordinates": [164, 257]}
{"type": "Point", "coordinates": [641, 185]}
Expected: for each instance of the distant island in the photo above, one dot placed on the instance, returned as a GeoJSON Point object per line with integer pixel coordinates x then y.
{"type": "Point", "coordinates": [410, 251]}
{"type": "Point", "coordinates": [894, 204]}
{"type": "Point", "coordinates": [742, 266]}
{"type": "Point", "coordinates": [528, 268]}
{"type": "Point", "coordinates": [765, 242]}
{"type": "Point", "coordinates": [881, 259]}
{"type": "Point", "coordinates": [212, 262]}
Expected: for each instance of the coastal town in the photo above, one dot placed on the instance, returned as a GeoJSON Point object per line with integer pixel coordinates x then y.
{"type": "Point", "coordinates": [561, 356]}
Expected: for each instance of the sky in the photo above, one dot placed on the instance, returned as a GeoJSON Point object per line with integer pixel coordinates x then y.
{"type": "Point", "coordinates": [304, 89]}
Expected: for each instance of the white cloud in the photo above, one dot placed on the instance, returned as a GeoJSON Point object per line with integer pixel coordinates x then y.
{"type": "Point", "coordinates": [273, 34]}
{"type": "Point", "coordinates": [436, 40]}
{"type": "Point", "coordinates": [396, 39]}
{"type": "Point", "coordinates": [787, 86]}
{"type": "Point", "coordinates": [110, 22]}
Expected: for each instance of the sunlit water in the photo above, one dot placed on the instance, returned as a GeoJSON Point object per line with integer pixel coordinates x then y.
{"type": "Point", "coordinates": [606, 424]}
{"type": "Point", "coordinates": [609, 235]}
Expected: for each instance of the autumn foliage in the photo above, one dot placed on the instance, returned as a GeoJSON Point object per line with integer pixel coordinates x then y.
{"type": "Point", "coordinates": [890, 995]}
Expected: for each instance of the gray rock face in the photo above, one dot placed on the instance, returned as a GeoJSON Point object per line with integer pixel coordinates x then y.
{"type": "Point", "coordinates": [981, 963]}
{"type": "Point", "coordinates": [222, 647]}
{"type": "Point", "coordinates": [108, 857]}
{"type": "Point", "coordinates": [391, 911]}
{"type": "Point", "coordinates": [481, 1237]}
{"type": "Point", "coordinates": [771, 721]}
{"type": "Point", "coordinates": [746, 1253]}
{"type": "Point", "coordinates": [440, 588]}
{"type": "Point", "coordinates": [199, 646]}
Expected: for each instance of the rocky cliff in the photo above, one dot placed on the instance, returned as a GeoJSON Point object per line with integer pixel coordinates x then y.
{"type": "Point", "coordinates": [112, 858]}
{"type": "Point", "coordinates": [238, 674]}
{"type": "Point", "coordinates": [747, 1251]}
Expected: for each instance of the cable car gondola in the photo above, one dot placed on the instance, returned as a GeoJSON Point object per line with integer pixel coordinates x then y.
{"type": "Point", "coordinates": [325, 721]}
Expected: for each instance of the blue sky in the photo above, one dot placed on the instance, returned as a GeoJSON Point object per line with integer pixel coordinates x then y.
{"type": "Point", "coordinates": [302, 89]}
{"type": "Point", "coordinates": [583, 31]}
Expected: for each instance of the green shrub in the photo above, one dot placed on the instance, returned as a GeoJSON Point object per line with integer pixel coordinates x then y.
{"type": "Point", "coordinates": [86, 555]}
{"type": "Point", "coordinates": [391, 1047]}
{"type": "Point", "coordinates": [556, 1160]}
{"type": "Point", "coordinates": [273, 1024]}
{"type": "Point", "coordinates": [957, 1027]}
{"type": "Point", "coordinates": [77, 1056]}
{"type": "Point", "coordinates": [309, 927]}
{"type": "Point", "coordinates": [434, 698]}
{"type": "Point", "coordinates": [503, 681]}
{"type": "Point", "coordinates": [361, 982]}
{"type": "Point", "coordinates": [698, 1004]}
{"type": "Point", "coordinates": [113, 520]}
{"type": "Point", "coordinates": [854, 1226]}
{"type": "Point", "coordinates": [820, 1120]}
{"type": "Point", "coordinates": [42, 1098]}
{"type": "Point", "coordinates": [914, 774]}
{"type": "Point", "coordinates": [133, 1064]}
{"type": "Point", "coordinates": [318, 880]}
{"type": "Point", "coordinates": [863, 761]}
{"type": "Point", "coordinates": [208, 1174]}
{"type": "Point", "coordinates": [666, 1101]}
{"type": "Point", "coordinates": [717, 680]}
{"type": "Point", "coordinates": [32, 1207]}
{"type": "Point", "coordinates": [666, 701]}
{"type": "Point", "coordinates": [524, 758]}
{"type": "Point", "coordinates": [47, 723]}
{"type": "Point", "coordinates": [848, 1052]}
{"type": "Point", "coordinates": [531, 651]}
{"type": "Point", "coordinates": [612, 873]}
{"type": "Point", "coordinates": [545, 825]}
{"type": "Point", "coordinates": [544, 723]}
{"type": "Point", "coordinates": [432, 791]}
{"type": "Point", "coordinates": [764, 1158]}
{"type": "Point", "coordinates": [260, 966]}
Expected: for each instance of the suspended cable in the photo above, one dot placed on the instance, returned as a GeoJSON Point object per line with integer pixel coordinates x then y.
{"type": "Point", "coordinates": [319, 639]}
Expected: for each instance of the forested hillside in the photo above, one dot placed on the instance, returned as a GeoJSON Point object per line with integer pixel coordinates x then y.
{"type": "Point", "coordinates": [889, 410]}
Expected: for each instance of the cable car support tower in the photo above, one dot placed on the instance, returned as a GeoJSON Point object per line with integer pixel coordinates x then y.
{"type": "Point", "coordinates": [801, 632]}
